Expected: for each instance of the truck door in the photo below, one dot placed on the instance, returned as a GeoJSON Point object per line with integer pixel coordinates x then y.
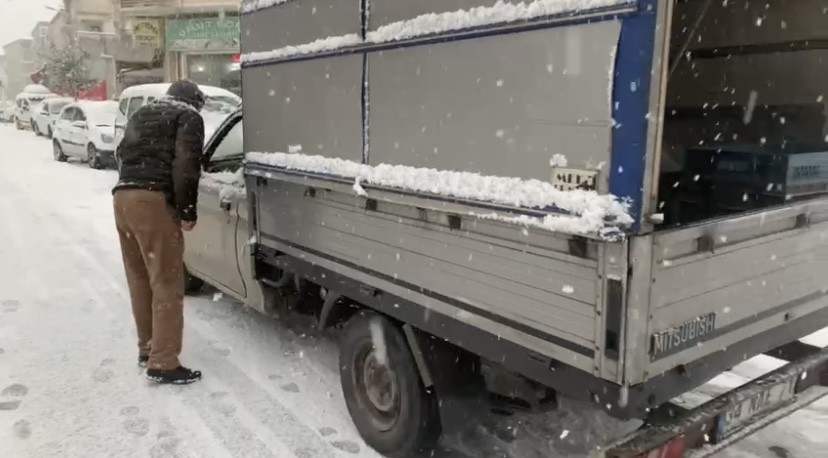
{"type": "Point", "coordinates": [211, 248]}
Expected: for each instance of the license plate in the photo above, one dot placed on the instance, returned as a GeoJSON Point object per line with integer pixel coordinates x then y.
{"type": "Point", "coordinates": [770, 397]}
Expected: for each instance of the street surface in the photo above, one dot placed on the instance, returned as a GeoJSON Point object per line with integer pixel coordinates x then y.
{"type": "Point", "coordinates": [70, 387]}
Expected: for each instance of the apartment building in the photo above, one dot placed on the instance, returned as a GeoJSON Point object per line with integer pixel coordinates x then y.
{"type": "Point", "coordinates": [3, 79]}
{"type": "Point", "coordinates": [117, 51]}
{"type": "Point", "coordinates": [20, 64]}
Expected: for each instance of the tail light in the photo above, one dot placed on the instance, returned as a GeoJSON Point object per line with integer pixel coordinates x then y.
{"type": "Point", "coordinates": [672, 449]}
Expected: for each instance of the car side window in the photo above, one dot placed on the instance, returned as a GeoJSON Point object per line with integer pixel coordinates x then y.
{"type": "Point", "coordinates": [134, 104]}
{"type": "Point", "coordinates": [122, 106]}
{"type": "Point", "coordinates": [44, 109]}
{"type": "Point", "coordinates": [67, 114]}
{"type": "Point", "coordinates": [79, 115]}
{"type": "Point", "coordinates": [231, 145]}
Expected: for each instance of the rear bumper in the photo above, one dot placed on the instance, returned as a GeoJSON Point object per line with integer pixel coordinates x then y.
{"type": "Point", "coordinates": [725, 420]}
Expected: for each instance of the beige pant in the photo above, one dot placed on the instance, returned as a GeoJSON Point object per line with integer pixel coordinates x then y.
{"type": "Point", "coordinates": [152, 246]}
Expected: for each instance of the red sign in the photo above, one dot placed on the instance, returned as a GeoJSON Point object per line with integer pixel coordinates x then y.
{"type": "Point", "coordinates": [96, 92]}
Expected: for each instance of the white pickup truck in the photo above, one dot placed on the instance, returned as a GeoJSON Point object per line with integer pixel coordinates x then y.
{"type": "Point", "coordinates": [612, 200]}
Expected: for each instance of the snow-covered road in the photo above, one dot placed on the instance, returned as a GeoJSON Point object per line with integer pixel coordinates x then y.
{"type": "Point", "coordinates": [69, 386]}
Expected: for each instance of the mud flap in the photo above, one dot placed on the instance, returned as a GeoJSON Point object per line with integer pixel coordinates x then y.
{"type": "Point", "coordinates": [454, 376]}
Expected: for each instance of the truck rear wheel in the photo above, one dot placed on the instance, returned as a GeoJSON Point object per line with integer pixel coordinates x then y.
{"type": "Point", "coordinates": [387, 401]}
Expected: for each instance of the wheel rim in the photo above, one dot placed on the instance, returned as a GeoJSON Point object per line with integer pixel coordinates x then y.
{"type": "Point", "coordinates": [92, 156]}
{"type": "Point", "coordinates": [56, 150]}
{"type": "Point", "coordinates": [377, 388]}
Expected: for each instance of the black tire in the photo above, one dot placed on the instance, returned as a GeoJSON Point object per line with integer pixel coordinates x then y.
{"type": "Point", "coordinates": [396, 416]}
{"type": "Point", "coordinates": [93, 158]}
{"type": "Point", "coordinates": [192, 285]}
{"type": "Point", "coordinates": [57, 152]}
{"type": "Point", "coordinates": [49, 132]}
{"type": "Point", "coordinates": [36, 130]}
{"type": "Point", "coordinates": [17, 124]}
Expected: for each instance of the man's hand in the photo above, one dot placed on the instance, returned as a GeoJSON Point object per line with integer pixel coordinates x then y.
{"type": "Point", "coordinates": [187, 226]}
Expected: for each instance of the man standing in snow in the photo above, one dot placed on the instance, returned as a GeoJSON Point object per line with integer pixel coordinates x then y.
{"type": "Point", "coordinates": [155, 199]}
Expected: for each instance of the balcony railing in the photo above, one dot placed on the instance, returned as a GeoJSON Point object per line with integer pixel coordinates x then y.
{"type": "Point", "coordinates": [172, 6]}
{"type": "Point", "coordinates": [144, 5]}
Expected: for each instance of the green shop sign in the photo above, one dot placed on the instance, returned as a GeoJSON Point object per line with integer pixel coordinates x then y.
{"type": "Point", "coordinates": [203, 34]}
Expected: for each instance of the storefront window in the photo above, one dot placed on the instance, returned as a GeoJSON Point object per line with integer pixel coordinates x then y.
{"type": "Point", "coordinates": [219, 70]}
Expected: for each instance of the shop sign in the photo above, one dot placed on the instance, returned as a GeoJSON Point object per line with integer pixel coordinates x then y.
{"type": "Point", "coordinates": [203, 34]}
{"type": "Point", "coordinates": [147, 32]}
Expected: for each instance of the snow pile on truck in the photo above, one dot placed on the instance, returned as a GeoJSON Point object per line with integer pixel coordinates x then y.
{"type": "Point", "coordinates": [588, 211]}
{"type": "Point", "coordinates": [429, 24]}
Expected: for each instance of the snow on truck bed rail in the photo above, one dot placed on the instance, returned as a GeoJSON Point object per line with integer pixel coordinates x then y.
{"type": "Point", "coordinates": [588, 211]}
{"type": "Point", "coordinates": [430, 24]}
{"type": "Point", "coordinates": [249, 6]}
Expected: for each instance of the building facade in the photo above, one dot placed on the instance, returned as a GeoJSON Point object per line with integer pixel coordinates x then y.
{"type": "Point", "coordinates": [40, 40]}
{"type": "Point", "coordinates": [200, 38]}
{"type": "Point", "coordinates": [117, 49]}
{"type": "Point", "coordinates": [20, 64]}
{"type": "Point", "coordinates": [3, 80]}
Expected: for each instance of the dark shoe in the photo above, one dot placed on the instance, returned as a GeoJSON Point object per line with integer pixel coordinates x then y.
{"type": "Point", "coordinates": [142, 361]}
{"type": "Point", "coordinates": [178, 376]}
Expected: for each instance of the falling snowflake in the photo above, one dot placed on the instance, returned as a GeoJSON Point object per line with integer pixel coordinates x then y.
{"type": "Point", "coordinates": [217, 297]}
{"type": "Point", "coordinates": [567, 289]}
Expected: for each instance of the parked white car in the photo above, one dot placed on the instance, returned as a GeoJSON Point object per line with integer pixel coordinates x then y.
{"type": "Point", "coordinates": [84, 131]}
{"type": "Point", "coordinates": [219, 105]}
{"type": "Point", "coordinates": [46, 113]}
{"type": "Point", "coordinates": [7, 111]}
{"type": "Point", "coordinates": [26, 100]}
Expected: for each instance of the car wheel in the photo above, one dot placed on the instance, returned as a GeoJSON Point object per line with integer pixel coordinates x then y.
{"type": "Point", "coordinates": [17, 124]}
{"type": "Point", "coordinates": [35, 129]}
{"type": "Point", "coordinates": [49, 132]}
{"type": "Point", "coordinates": [192, 285]}
{"type": "Point", "coordinates": [57, 151]}
{"type": "Point", "coordinates": [387, 401]}
{"type": "Point", "coordinates": [92, 157]}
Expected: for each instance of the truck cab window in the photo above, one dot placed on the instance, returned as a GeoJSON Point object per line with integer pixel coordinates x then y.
{"type": "Point", "coordinates": [231, 145]}
{"type": "Point", "coordinates": [122, 107]}
{"type": "Point", "coordinates": [134, 104]}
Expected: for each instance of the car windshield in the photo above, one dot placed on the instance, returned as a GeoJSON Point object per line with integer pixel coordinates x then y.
{"type": "Point", "coordinates": [101, 113]}
{"type": "Point", "coordinates": [221, 103]}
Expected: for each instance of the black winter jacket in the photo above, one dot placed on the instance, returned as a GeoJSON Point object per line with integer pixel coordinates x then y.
{"type": "Point", "coordinates": [161, 151]}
